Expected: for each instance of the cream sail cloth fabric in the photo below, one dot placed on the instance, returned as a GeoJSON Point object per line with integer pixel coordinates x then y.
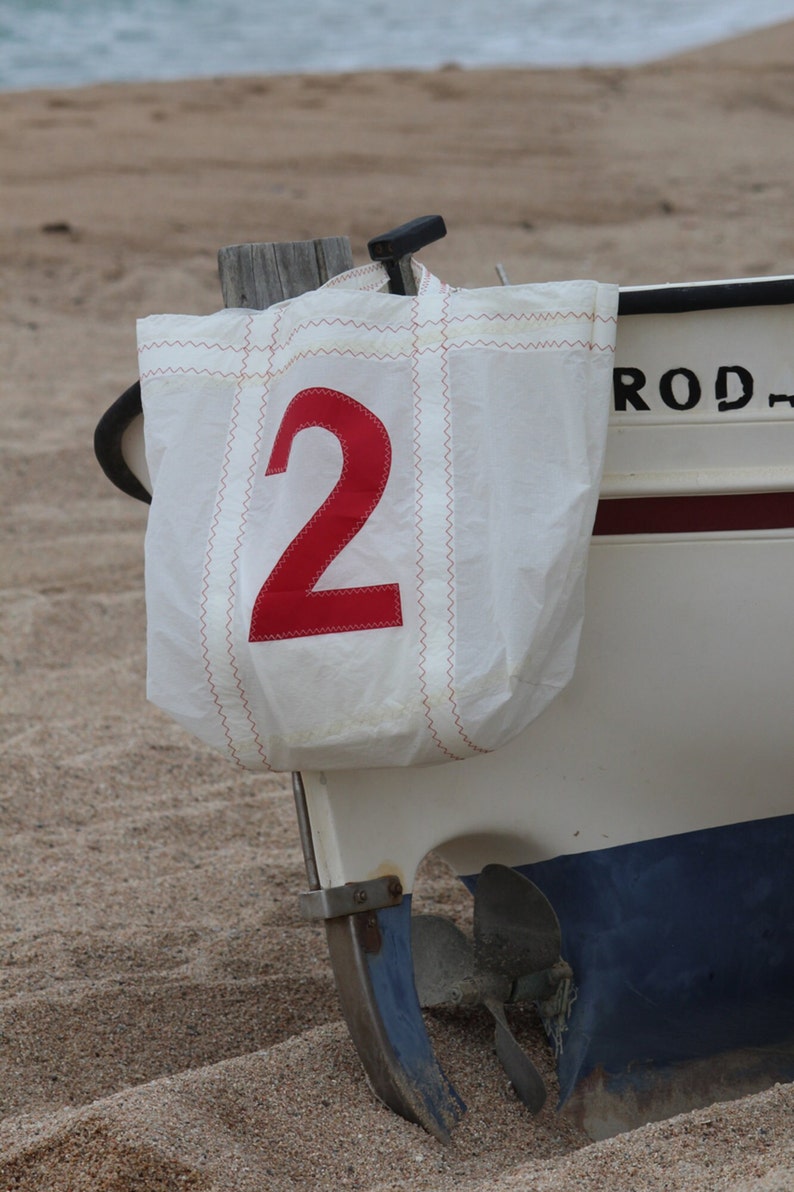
{"type": "Point", "coordinates": [370, 517]}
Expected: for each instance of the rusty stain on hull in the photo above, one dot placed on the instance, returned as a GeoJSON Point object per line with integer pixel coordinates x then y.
{"type": "Point", "coordinates": [604, 1104]}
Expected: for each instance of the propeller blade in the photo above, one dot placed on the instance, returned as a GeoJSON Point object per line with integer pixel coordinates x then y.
{"type": "Point", "coordinates": [522, 1073]}
{"type": "Point", "coordinates": [443, 961]}
{"type": "Point", "coordinates": [516, 931]}
{"type": "Point", "coordinates": [445, 971]}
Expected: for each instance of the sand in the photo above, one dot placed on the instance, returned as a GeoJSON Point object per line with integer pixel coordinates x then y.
{"type": "Point", "coordinates": [166, 1019]}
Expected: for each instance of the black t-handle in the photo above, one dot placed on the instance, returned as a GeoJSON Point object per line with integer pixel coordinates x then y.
{"type": "Point", "coordinates": [401, 242]}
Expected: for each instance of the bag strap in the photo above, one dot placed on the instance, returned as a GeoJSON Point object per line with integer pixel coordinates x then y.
{"type": "Point", "coordinates": [374, 278]}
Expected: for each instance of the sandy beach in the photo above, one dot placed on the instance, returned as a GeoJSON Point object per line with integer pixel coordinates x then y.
{"type": "Point", "coordinates": [167, 1021]}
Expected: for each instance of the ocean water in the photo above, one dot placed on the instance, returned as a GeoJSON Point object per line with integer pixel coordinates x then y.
{"type": "Point", "coordinates": [71, 42]}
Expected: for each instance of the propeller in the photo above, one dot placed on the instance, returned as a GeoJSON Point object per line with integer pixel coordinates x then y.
{"type": "Point", "coordinates": [514, 956]}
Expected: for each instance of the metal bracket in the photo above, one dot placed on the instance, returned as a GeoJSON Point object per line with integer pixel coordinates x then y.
{"type": "Point", "coordinates": [351, 899]}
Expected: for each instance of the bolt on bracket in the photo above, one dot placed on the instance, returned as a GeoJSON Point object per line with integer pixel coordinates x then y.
{"type": "Point", "coordinates": [351, 899]}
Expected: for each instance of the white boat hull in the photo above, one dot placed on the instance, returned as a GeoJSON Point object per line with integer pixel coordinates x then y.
{"type": "Point", "coordinates": [653, 802]}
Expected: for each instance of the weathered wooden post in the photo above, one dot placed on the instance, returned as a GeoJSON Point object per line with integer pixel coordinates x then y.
{"type": "Point", "coordinates": [258, 275]}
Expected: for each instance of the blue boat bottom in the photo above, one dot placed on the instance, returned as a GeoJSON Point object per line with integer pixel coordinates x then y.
{"type": "Point", "coordinates": [682, 950]}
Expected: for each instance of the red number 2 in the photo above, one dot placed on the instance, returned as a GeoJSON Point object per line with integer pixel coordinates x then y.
{"type": "Point", "coordinates": [288, 604]}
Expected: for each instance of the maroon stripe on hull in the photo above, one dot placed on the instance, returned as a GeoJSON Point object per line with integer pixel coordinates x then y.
{"type": "Point", "coordinates": [695, 514]}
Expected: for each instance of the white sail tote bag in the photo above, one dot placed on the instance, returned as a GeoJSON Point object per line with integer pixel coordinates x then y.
{"type": "Point", "coordinates": [370, 516]}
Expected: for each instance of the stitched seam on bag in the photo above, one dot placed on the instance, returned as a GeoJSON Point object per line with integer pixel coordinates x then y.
{"type": "Point", "coordinates": [540, 316]}
{"type": "Point", "coordinates": [401, 354]}
{"type": "Point", "coordinates": [203, 628]}
{"type": "Point", "coordinates": [536, 345]}
{"type": "Point", "coordinates": [189, 370]}
{"type": "Point", "coordinates": [342, 353]}
{"type": "Point", "coordinates": [449, 535]}
{"type": "Point", "coordinates": [333, 350]}
{"type": "Point", "coordinates": [204, 596]}
{"type": "Point", "coordinates": [374, 716]}
{"type": "Point", "coordinates": [494, 681]}
{"type": "Point", "coordinates": [306, 354]}
{"type": "Point", "coordinates": [384, 328]}
{"type": "Point", "coordinates": [237, 547]}
{"type": "Point", "coordinates": [153, 344]}
{"type": "Point", "coordinates": [419, 480]}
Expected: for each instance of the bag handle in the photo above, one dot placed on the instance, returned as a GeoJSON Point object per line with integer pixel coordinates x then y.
{"type": "Point", "coordinates": [255, 273]}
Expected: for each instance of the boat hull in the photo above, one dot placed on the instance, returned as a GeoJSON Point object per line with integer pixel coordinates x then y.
{"type": "Point", "coordinates": [684, 950]}
{"type": "Point", "coordinates": [653, 801]}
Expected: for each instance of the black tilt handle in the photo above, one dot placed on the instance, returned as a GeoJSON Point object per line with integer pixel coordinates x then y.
{"type": "Point", "coordinates": [391, 247]}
